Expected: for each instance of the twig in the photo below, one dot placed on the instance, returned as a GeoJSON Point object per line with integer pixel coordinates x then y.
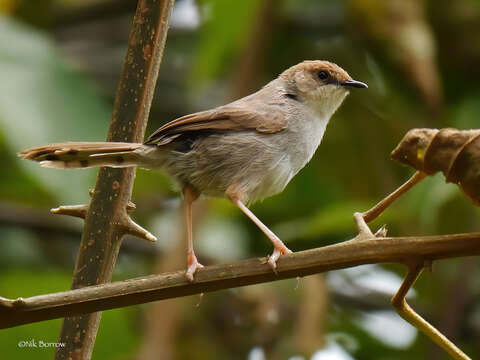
{"type": "Point", "coordinates": [374, 212]}
{"type": "Point", "coordinates": [107, 219]}
{"type": "Point", "coordinates": [42, 223]}
{"type": "Point", "coordinates": [39, 221]}
{"type": "Point", "coordinates": [415, 267]}
{"type": "Point", "coordinates": [404, 250]}
{"type": "Point", "coordinates": [405, 311]}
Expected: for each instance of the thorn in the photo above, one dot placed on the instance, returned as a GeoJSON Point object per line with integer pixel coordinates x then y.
{"type": "Point", "coordinates": [382, 232]}
{"type": "Point", "coordinates": [19, 302]}
{"type": "Point", "coordinates": [71, 210]}
{"type": "Point", "coordinates": [132, 228]}
{"type": "Point", "coordinates": [130, 207]}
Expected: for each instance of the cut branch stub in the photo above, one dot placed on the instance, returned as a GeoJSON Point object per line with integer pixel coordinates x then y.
{"type": "Point", "coordinates": [71, 210]}
{"type": "Point", "coordinates": [456, 153]}
{"type": "Point", "coordinates": [126, 224]}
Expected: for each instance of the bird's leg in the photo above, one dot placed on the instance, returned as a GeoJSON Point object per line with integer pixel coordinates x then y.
{"type": "Point", "coordinates": [362, 218]}
{"type": "Point", "coordinates": [279, 247]}
{"type": "Point", "coordinates": [189, 196]}
{"type": "Point", "coordinates": [406, 312]}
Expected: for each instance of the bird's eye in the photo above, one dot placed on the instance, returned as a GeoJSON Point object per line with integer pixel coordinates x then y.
{"type": "Point", "coordinates": [323, 75]}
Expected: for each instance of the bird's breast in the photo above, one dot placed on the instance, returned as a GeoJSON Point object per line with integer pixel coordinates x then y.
{"type": "Point", "coordinates": [306, 136]}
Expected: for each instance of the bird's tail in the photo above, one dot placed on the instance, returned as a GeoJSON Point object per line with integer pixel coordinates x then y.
{"type": "Point", "coordinates": [76, 155]}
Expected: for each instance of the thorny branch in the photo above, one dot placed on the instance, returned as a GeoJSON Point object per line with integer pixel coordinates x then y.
{"type": "Point", "coordinates": [43, 223]}
{"type": "Point", "coordinates": [107, 217]}
{"type": "Point", "coordinates": [415, 265]}
{"type": "Point", "coordinates": [403, 250]}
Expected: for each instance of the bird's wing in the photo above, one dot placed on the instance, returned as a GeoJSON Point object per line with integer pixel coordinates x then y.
{"type": "Point", "coordinates": [225, 118]}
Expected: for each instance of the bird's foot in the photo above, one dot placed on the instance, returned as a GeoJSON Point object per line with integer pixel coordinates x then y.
{"type": "Point", "coordinates": [192, 266]}
{"type": "Point", "coordinates": [279, 249]}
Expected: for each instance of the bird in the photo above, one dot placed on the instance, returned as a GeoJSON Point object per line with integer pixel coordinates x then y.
{"type": "Point", "coordinates": [244, 151]}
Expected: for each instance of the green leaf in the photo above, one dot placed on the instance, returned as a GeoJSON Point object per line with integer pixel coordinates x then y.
{"type": "Point", "coordinates": [43, 100]}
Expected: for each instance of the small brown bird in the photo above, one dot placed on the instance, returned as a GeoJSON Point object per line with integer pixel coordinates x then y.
{"type": "Point", "coordinates": [246, 150]}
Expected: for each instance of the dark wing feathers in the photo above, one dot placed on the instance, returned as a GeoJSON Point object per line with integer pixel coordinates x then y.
{"type": "Point", "coordinates": [225, 118]}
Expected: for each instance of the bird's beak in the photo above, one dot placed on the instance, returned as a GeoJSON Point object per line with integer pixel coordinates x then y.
{"type": "Point", "coordinates": [354, 83]}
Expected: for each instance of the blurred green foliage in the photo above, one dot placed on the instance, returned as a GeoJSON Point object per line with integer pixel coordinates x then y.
{"type": "Point", "coordinates": [42, 100]}
{"type": "Point", "coordinates": [220, 41]}
{"type": "Point", "coordinates": [113, 342]}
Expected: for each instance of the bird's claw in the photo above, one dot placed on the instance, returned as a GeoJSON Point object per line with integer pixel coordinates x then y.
{"type": "Point", "coordinates": [277, 252]}
{"type": "Point", "coordinates": [192, 266]}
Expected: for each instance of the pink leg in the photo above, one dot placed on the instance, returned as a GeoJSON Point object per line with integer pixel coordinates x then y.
{"type": "Point", "coordinates": [193, 265]}
{"type": "Point", "coordinates": [279, 247]}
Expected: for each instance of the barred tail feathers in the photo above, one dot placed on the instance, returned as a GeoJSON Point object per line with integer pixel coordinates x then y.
{"type": "Point", "coordinates": [76, 155]}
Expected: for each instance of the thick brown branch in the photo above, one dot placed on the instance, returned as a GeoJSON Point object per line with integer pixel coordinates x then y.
{"type": "Point", "coordinates": [105, 215]}
{"type": "Point", "coordinates": [403, 250]}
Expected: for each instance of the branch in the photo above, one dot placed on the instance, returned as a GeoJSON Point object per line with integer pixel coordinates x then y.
{"type": "Point", "coordinates": [403, 250]}
{"type": "Point", "coordinates": [40, 222]}
{"type": "Point", "coordinates": [106, 217]}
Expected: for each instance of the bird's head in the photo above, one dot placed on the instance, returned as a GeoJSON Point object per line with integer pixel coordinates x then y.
{"type": "Point", "coordinates": [320, 84]}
